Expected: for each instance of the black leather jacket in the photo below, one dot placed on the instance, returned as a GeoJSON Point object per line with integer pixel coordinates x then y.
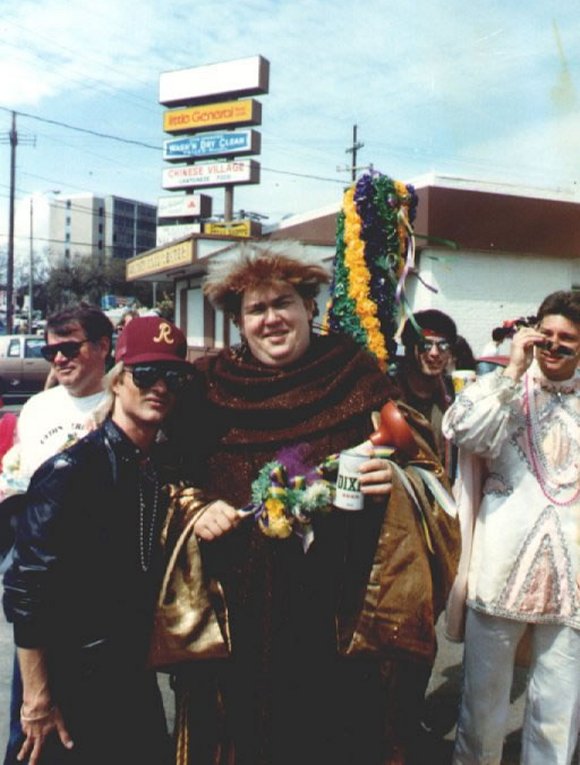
{"type": "Point", "coordinates": [77, 577]}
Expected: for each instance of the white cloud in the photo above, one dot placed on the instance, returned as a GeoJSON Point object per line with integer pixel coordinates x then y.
{"type": "Point", "coordinates": [485, 89]}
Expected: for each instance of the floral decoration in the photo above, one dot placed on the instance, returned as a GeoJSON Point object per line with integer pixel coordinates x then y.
{"type": "Point", "coordinates": [287, 493]}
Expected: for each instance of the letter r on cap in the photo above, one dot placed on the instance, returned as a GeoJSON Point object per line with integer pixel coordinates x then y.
{"type": "Point", "coordinates": [164, 335]}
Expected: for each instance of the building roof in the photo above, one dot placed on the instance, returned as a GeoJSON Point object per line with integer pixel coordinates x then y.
{"type": "Point", "coordinates": [475, 215]}
{"type": "Point", "coordinates": [317, 227]}
{"type": "Point", "coordinates": [500, 218]}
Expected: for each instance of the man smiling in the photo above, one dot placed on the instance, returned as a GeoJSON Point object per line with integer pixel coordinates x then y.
{"type": "Point", "coordinates": [78, 343]}
{"type": "Point", "coordinates": [276, 324]}
{"type": "Point", "coordinates": [524, 568]}
{"type": "Point", "coordinates": [87, 566]}
{"type": "Point", "coordinates": [428, 338]}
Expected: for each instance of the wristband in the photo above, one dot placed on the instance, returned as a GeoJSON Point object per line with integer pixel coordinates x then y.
{"type": "Point", "coordinates": [35, 718]}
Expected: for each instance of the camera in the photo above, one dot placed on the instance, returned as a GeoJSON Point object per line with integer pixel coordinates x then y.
{"type": "Point", "coordinates": [510, 327]}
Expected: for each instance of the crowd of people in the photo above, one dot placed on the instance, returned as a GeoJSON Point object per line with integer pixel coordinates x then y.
{"type": "Point", "coordinates": [328, 617]}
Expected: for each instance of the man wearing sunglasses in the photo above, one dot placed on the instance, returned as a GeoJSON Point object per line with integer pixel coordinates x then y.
{"type": "Point", "coordinates": [87, 566]}
{"type": "Point", "coordinates": [78, 344]}
{"type": "Point", "coordinates": [428, 338]}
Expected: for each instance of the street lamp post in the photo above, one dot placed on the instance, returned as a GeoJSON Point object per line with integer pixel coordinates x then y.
{"type": "Point", "coordinates": [31, 265]}
{"type": "Point", "coordinates": [31, 258]}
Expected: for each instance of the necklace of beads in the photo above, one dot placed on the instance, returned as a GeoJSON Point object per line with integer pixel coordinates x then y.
{"type": "Point", "coordinates": [146, 545]}
{"type": "Point", "coordinates": [538, 459]}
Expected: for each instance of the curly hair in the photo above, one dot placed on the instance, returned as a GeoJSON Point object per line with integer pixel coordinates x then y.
{"type": "Point", "coordinates": [259, 265]}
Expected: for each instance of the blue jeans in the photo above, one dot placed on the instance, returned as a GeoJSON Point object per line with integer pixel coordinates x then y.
{"type": "Point", "coordinates": [15, 736]}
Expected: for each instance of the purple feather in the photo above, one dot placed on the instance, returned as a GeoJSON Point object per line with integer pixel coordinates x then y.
{"type": "Point", "coordinates": [295, 460]}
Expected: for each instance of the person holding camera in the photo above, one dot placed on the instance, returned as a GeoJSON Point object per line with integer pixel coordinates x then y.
{"type": "Point", "coordinates": [524, 567]}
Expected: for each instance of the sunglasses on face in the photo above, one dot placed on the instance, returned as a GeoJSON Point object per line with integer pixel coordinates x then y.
{"type": "Point", "coordinates": [70, 349]}
{"type": "Point", "coordinates": [146, 376]}
{"type": "Point", "coordinates": [427, 345]}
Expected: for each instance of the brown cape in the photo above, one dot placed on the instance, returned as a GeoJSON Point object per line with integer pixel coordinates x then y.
{"type": "Point", "coordinates": [369, 585]}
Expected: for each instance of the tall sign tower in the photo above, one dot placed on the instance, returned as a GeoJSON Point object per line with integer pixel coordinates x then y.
{"type": "Point", "coordinates": [211, 115]}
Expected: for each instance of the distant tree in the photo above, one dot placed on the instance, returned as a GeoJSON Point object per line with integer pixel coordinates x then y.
{"type": "Point", "coordinates": [63, 287]}
{"type": "Point", "coordinates": [90, 279]}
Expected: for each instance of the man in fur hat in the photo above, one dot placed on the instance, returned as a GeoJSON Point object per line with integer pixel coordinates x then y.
{"type": "Point", "coordinates": [317, 636]}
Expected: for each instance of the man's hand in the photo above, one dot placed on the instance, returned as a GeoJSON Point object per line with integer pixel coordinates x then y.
{"type": "Point", "coordinates": [37, 725]}
{"type": "Point", "coordinates": [376, 477]}
{"type": "Point", "coordinates": [217, 520]}
{"type": "Point", "coordinates": [522, 351]}
{"type": "Point", "coordinates": [39, 716]}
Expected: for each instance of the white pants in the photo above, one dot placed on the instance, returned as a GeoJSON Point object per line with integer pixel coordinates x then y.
{"type": "Point", "coordinates": [552, 711]}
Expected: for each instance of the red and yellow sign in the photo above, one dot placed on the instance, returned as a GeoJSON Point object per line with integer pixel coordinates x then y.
{"type": "Point", "coordinates": [208, 116]}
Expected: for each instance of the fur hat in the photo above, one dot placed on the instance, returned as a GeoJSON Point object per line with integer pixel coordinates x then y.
{"type": "Point", "coordinates": [257, 265]}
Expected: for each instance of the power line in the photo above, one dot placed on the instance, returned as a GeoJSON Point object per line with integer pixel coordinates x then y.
{"type": "Point", "coordinates": [62, 242]}
{"type": "Point", "coordinates": [62, 204]}
{"type": "Point", "coordinates": [87, 131]}
{"type": "Point", "coordinates": [134, 142]}
{"type": "Point", "coordinates": [302, 175]}
{"type": "Point", "coordinates": [76, 55]}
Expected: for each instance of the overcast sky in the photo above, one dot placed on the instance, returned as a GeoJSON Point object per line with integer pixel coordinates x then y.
{"type": "Point", "coordinates": [480, 89]}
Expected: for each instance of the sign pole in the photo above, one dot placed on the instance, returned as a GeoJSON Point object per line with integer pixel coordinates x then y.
{"type": "Point", "coordinates": [228, 204]}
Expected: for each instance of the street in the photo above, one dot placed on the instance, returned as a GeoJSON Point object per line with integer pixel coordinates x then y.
{"type": "Point", "coordinates": [441, 708]}
{"type": "Point", "coordinates": [441, 703]}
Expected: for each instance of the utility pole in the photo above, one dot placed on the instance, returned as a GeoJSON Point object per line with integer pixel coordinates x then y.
{"type": "Point", "coordinates": [356, 145]}
{"type": "Point", "coordinates": [13, 139]}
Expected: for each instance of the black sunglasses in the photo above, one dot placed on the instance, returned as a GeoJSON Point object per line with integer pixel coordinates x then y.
{"type": "Point", "coordinates": [426, 345]}
{"type": "Point", "coordinates": [145, 376]}
{"type": "Point", "coordinates": [70, 349]}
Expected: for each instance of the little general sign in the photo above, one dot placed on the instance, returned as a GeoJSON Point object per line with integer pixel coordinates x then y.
{"type": "Point", "coordinates": [211, 174]}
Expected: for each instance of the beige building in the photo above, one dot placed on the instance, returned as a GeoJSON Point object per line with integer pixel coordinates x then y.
{"type": "Point", "coordinates": [87, 225]}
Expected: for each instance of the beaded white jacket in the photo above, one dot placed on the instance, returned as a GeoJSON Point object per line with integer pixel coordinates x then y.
{"type": "Point", "coordinates": [525, 556]}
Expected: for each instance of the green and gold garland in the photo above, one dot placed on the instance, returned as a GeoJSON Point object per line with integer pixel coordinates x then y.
{"type": "Point", "coordinates": [373, 242]}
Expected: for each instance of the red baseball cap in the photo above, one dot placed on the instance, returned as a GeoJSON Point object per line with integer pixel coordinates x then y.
{"type": "Point", "coordinates": [148, 339]}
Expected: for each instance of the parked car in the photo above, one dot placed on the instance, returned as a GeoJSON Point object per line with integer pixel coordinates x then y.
{"type": "Point", "coordinates": [487, 364]}
{"type": "Point", "coordinates": [23, 370]}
